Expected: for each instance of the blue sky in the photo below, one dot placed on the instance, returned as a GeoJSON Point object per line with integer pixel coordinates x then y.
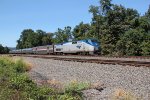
{"type": "Point", "coordinates": [48, 15]}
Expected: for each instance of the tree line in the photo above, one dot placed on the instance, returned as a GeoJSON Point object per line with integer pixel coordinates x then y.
{"type": "Point", "coordinates": [3, 50]}
{"type": "Point", "coordinates": [30, 38]}
{"type": "Point", "coordinates": [120, 31]}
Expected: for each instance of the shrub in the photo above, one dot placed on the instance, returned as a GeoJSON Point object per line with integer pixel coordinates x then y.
{"type": "Point", "coordinates": [20, 66]}
{"type": "Point", "coordinates": [75, 86]}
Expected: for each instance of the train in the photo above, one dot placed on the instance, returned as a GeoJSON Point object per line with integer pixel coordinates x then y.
{"type": "Point", "coordinates": [82, 47]}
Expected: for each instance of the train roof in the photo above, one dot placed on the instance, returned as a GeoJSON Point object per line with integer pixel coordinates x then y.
{"type": "Point", "coordinates": [42, 46]}
{"type": "Point", "coordinates": [27, 49]}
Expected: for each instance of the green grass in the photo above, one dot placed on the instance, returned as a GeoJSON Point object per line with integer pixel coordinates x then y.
{"type": "Point", "coordinates": [16, 85]}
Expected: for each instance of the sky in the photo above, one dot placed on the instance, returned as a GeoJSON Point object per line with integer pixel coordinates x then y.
{"type": "Point", "coordinates": [49, 15]}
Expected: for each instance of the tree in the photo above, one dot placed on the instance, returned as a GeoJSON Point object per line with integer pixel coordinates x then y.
{"type": "Point", "coordinates": [63, 35]}
{"type": "Point", "coordinates": [29, 39]}
{"type": "Point", "coordinates": [147, 14]}
{"type": "Point", "coordinates": [145, 46]}
{"type": "Point", "coordinates": [60, 36]}
{"type": "Point", "coordinates": [133, 42]}
{"type": "Point", "coordinates": [144, 23]}
{"type": "Point", "coordinates": [41, 34]}
{"type": "Point", "coordinates": [109, 22]}
{"type": "Point", "coordinates": [4, 50]}
{"type": "Point", "coordinates": [68, 32]}
{"type": "Point", "coordinates": [47, 39]}
{"type": "Point", "coordinates": [81, 31]}
{"type": "Point", "coordinates": [97, 23]}
{"type": "Point", "coordinates": [105, 6]}
{"type": "Point", "coordinates": [1, 49]}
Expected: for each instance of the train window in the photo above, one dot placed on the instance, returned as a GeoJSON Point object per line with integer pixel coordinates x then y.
{"type": "Point", "coordinates": [58, 49]}
{"type": "Point", "coordinates": [94, 40]}
{"type": "Point", "coordinates": [75, 42]}
{"type": "Point", "coordinates": [47, 47]}
{"type": "Point", "coordinates": [86, 41]}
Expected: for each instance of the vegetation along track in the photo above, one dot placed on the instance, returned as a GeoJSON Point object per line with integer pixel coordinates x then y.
{"type": "Point", "coordinates": [98, 61]}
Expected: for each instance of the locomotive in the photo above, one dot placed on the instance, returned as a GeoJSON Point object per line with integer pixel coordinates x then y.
{"type": "Point", "coordinates": [86, 46]}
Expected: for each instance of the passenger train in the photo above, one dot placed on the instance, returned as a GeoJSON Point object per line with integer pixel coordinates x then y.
{"type": "Point", "coordinates": [87, 46]}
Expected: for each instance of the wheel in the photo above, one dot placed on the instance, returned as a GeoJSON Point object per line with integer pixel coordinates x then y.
{"type": "Point", "coordinates": [87, 53]}
{"type": "Point", "coordinates": [61, 53]}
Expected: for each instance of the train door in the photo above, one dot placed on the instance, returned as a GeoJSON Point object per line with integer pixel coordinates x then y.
{"type": "Point", "coordinates": [48, 50]}
{"type": "Point", "coordinates": [35, 50]}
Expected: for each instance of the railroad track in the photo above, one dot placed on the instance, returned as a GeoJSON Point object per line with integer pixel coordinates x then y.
{"type": "Point", "coordinates": [98, 61]}
{"type": "Point", "coordinates": [140, 57]}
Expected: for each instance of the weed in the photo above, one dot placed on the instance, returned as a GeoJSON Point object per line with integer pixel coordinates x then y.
{"type": "Point", "coordinates": [74, 89]}
{"type": "Point", "coordinates": [121, 94]}
{"type": "Point", "coordinates": [21, 66]}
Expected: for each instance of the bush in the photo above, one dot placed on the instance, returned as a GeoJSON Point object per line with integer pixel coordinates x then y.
{"type": "Point", "coordinates": [76, 87]}
{"type": "Point", "coordinates": [20, 66]}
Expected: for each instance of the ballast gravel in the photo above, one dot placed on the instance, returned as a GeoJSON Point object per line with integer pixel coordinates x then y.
{"type": "Point", "coordinates": [136, 80]}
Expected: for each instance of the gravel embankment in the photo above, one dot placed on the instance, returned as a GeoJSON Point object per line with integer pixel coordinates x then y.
{"type": "Point", "coordinates": [134, 79]}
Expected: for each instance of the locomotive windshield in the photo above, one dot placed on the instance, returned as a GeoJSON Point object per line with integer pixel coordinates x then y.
{"type": "Point", "coordinates": [94, 40]}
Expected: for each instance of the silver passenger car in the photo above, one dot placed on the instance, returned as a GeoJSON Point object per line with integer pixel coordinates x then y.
{"type": "Point", "coordinates": [48, 49]}
{"type": "Point", "coordinates": [27, 51]}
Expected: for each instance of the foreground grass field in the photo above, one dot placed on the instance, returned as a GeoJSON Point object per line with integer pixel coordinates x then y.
{"type": "Point", "coordinates": [16, 85]}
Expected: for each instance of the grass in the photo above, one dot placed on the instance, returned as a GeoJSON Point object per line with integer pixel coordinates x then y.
{"type": "Point", "coordinates": [16, 85]}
